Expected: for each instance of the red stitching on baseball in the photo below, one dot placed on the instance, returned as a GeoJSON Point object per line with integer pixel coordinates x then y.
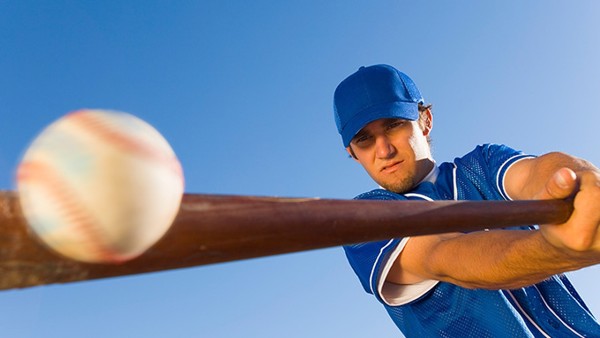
{"type": "Point", "coordinates": [70, 207]}
{"type": "Point", "coordinates": [105, 131]}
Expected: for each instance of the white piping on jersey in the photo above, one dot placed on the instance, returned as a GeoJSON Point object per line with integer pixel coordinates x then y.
{"type": "Point", "coordinates": [454, 185]}
{"type": "Point", "coordinates": [427, 198]}
{"type": "Point", "coordinates": [375, 264]}
{"type": "Point", "coordinates": [554, 313]}
{"type": "Point", "coordinates": [502, 188]}
{"type": "Point", "coordinates": [522, 311]}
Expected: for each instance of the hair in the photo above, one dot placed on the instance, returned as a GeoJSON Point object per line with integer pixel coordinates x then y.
{"type": "Point", "coordinates": [424, 107]}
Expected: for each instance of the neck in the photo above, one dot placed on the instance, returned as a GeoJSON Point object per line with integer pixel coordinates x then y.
{"type": "Point", "coordinates": [424, 167]}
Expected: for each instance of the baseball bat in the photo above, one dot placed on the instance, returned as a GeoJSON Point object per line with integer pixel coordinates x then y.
{"type": "Point", "coordinates": [219, 228]}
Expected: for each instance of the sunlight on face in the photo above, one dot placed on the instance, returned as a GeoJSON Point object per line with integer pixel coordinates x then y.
{"type": "Point", "coordinates": [394, 152]}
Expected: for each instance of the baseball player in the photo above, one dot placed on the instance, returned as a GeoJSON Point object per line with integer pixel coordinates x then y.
{"type": "Point", "coordinates": [501, 283]}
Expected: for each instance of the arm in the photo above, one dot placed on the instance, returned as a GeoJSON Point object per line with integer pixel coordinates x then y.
{"type": "Point", "coordinates": [509, 259]}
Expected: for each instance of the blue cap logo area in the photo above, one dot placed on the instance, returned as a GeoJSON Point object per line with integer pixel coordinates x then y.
{"type": "Point", "coordinates": [372, 93]}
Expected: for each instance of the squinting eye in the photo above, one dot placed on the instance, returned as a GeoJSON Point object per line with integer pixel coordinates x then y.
{"type": "Point", "coordinates": [395, 124]}
{"type": "Point", "coordinates": [361, 139]}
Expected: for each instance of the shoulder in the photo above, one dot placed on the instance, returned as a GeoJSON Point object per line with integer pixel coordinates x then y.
{"type": "Point", "coordinates": [480, 174]}
{"type": "Point", "coordinates": [493, 150]}
{"type": "Point", "coordinates": [490, 156]}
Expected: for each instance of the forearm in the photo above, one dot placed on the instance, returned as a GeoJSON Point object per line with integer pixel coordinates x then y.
{"type": "Point", "coordinates": [501, 259]}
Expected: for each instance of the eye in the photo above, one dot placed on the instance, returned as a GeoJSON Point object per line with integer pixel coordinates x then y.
{"type": "Point", "coordinates": [361, 139]}
{"type": "Point", "coordinates": [395, 124]}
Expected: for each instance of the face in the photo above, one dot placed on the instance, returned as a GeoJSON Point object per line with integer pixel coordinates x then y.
{"type": "Point", "coordinates": [394, 152]}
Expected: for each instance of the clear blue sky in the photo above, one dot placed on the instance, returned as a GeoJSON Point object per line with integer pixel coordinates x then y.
{"type": "Point", "coordinates": [243, 91]}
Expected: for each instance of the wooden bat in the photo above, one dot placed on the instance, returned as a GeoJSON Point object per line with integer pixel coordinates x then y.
{"type": "Point", "coordinates": [219, 228]}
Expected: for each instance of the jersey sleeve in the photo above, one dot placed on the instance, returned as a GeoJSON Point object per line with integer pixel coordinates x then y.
{"type": "Point", "coordinates": [481, 173]}
{"type": "Point", "coordinates": [372, 262]}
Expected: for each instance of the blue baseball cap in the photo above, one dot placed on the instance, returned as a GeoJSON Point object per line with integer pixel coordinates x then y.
{"type": "Point", "coordinates": [372, 93]}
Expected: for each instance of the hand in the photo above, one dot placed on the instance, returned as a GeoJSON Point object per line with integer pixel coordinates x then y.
{"type": "Point", "coordinates": [579, 235]}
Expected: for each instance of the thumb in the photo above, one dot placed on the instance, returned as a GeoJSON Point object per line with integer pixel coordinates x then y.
{"type": "Point", "coordinates": [560, 185]}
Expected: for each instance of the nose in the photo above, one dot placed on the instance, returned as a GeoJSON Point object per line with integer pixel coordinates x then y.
{"type": "Point", "coordinates": [384, 148]}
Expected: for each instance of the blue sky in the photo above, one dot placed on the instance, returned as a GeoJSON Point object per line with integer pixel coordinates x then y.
{"type": "Point", "coordinates": [243, 91]}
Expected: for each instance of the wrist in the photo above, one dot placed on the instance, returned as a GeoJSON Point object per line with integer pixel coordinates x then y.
{"type": "Point", "coordinates": [562, 254]}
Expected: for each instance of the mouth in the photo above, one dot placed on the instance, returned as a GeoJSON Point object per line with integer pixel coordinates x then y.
{"type": "Point", "coordinates": [391, 167]}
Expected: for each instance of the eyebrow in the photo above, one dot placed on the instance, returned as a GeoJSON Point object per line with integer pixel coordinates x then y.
{"type": "Point", "coordinates": [390, 120]}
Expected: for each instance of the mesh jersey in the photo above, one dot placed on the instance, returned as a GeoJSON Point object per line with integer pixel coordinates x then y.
{"type": "Point", "coordinates": [551, 308]}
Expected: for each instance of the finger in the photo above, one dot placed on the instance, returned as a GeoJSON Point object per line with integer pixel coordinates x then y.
{"type": "Point", "coordinates": [561, 185]}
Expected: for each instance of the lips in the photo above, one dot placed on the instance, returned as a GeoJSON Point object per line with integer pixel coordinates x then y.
{"type": "Point", "coordinates": [391, 167]}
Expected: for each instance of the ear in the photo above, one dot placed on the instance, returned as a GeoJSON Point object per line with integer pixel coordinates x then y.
{"type": "Point", "coordinates": [426, 122]}
{"type": "Point", "coordinates": [351, 153]}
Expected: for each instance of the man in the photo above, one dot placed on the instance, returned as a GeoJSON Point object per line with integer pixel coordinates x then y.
{"type": "Point", "coordinates": [502, 283]}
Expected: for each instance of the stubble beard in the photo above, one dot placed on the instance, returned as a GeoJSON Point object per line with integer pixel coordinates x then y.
{"type": "Point", "coordinates": [400, 186]}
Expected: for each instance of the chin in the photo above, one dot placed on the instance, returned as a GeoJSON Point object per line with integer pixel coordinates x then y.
{"type": "Point", "coordinates": [400, 187]}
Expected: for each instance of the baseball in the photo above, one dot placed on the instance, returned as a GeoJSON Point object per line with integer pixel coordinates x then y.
{"type": "Point", "coordinates": [99, 186]}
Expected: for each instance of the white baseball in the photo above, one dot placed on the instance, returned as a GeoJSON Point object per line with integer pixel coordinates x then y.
{"type": "Point", "coordinates": [100, 186]}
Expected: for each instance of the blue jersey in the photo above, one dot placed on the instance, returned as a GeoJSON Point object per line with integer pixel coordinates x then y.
{"type": "Point", "coordinates": [551, 308]}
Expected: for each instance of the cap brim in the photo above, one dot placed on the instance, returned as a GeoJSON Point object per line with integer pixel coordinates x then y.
{"type": "Point", "coordinates": [401, 110]}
